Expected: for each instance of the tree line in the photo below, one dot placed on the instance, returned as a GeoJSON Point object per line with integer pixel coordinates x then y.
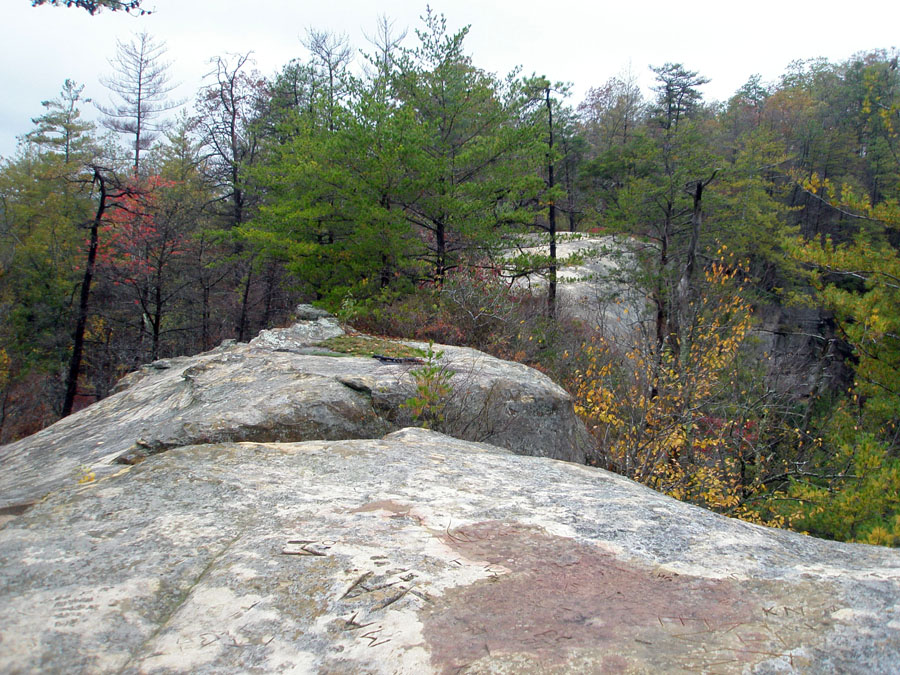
{"type": "Point", "coordinates": [759, 377]}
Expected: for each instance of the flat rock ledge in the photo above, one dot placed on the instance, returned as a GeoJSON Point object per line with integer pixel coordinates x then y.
{"type": "Point", "coordinates": [420, 553]}
{"type": "Point", "coordinates": [282, 387]}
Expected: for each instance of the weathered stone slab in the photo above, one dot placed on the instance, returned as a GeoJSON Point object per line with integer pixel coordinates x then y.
{"type": "Point", "coordinates": [280, 387]}
{"type": "Point", "coordinates": [591, 282]}
{"type": "Point", "coordinates": [420, 553]}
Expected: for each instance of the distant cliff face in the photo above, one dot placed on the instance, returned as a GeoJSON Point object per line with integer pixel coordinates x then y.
{"type": "Point", "coordinates": [411, 552]}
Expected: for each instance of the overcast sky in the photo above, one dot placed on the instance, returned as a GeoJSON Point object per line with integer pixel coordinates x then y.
{"type": "Point", "coordinates": [584, 42]}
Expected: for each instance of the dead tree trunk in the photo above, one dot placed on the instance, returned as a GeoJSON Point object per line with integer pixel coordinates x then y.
{"type": "Point", "coordinates": [84, 300]}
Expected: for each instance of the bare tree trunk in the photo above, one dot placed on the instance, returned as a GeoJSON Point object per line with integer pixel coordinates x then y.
{"type": "Point", "coordinates": [440, 236]}
{"type": "Point", "coordinates": [687, 282]}
{"type": "Point", "coordinates": [156, 321]}
{"type": "Point", "coordinates": [551, 216]}
{"type": "Point", "coordinates": [269, 306]}
{"type": "Point", "coordinates": [242, 321]}
{"type": "Point", "coordinates": [4, 404]}
{"type": "Point", "coordinates": [204, 327]}
{"type": "Point", "coordinates": [661, 299]}
{"type": "Point", "coordinates": [84, 301]}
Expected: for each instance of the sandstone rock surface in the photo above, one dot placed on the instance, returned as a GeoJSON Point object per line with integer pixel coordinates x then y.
{"type": "Point", "coordinates": [367, 549]}
{"type": "Point", "coordinates": [281, 387]}
{"type": "Point", "coordinates": [420, 553]}
{"type": "Point", "coordinates": [592, 289]}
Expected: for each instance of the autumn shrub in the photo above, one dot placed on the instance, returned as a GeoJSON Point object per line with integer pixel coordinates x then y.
{"type": "Point", "coordinates": [480, 308]}
{"type": "Point", "coordinates": [658, 410]}
{"type": "Point", "coordinates": [484, 305]}
{"type": "Point", "coordinates": [412, 316]}
{"type": "Point", "coordinates": [473, 306]}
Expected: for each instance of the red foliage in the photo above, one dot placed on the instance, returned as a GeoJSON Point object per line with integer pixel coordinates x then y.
{"type": "Point", "coordinates": [743, 433]}
{"type": "Point", "coordinates": [138, 240]}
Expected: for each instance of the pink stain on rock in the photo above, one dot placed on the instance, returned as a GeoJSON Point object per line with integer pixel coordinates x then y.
{"type": "Point", "coordinates": [561, 597]}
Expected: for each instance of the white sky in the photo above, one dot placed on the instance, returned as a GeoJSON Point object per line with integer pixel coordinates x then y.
{"type": "Point", "coordinates": [584, 42]}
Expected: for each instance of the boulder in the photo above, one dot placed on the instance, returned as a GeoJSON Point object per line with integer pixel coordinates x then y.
{"type": "Point", "coordinates": [420, 553]}
{"type": "Point", "coordinates": [282, 387]}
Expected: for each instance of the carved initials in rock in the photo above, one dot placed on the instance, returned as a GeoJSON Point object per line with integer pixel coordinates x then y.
{"type": "Point", "coordinates": [307, 547]}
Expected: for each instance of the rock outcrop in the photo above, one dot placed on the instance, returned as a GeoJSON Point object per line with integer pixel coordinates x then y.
{"type": "Point", "coordinates": [420, 553]}
{"type": "Point", "coordinates": [192, 541]}
{"type": "Point", "coordinates": [282, 387]}
{"type": "Point", "coordinates": [591, 283]}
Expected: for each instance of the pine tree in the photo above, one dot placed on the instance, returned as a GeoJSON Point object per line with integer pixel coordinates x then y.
{"type": "Point", "coordinates": [141, 83]}
{"type": "Point", "coordinates": [61, 129]}
{"type": "Point", "coordinates": [94, 6]}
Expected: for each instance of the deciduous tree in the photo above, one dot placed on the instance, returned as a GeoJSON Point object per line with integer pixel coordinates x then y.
{"type": "Point", "coordinates": [658, 414]}
{"type": "Point", "coordinates": [108, 190]}
{"type": "Point", "coordinates": [227, 114]}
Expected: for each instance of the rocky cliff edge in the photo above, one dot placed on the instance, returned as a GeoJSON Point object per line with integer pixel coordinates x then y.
{"type": "Point", "coordinates": [414, 552]}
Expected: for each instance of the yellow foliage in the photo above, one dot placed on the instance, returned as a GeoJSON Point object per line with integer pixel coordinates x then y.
{"type": "Point", "coordinates": [880, 536]}
{"type": "Point", "coordinates": [646, 405]}
{"type": "Point", "coordinates": [4, 368]}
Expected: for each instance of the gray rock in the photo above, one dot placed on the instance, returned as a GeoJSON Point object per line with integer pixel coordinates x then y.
{"type": "Point", "coordinates": [591, 282]}
{"type": "Point", "coordinates": [419, 553]}
{"type": "Point", "coordinates": [305, 312]}
{"type": "Point", "coordinates": [310, 328]}
{"type": "Point", "coordinates": [280, 387]}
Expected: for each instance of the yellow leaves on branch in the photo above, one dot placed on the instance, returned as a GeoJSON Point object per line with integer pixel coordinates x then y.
{"type": "Point", "coordinates": [4, 368]}
{"type": "Point", "coordinates": [650, 407]}
{"type": "Point", "coordinates": [858, 280]}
